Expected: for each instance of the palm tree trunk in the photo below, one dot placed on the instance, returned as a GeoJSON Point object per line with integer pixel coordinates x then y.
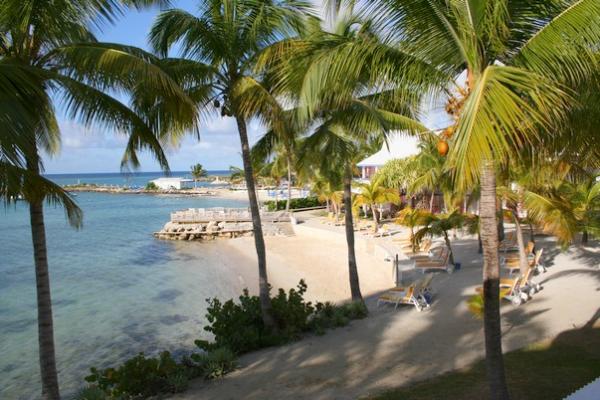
{"type": "Point", "coordinates": [531, 234]}
{"type": "Point", "coordinates": [431, 201]}
{"type": "Point", "coordinates": [584, 237]}
{"type": "Point", "coordinates": [259, 241]}
{"type": "Point", "coordinates": [48, 372]}
{"type": "Point", "coordinates": [289, 177]}
{"type": "Point", "coordinates": [352, 269]}
{"type": "Point", "coordinates": [449, 246]}
{"type": "Point", "coordinates": [375, 219]}
{"type": "Point", "coordinates": [523, 264]}
{"type": "Point", "coordinates": [491, 286]}
{"type": "Point", "coordinates": [500, 220]}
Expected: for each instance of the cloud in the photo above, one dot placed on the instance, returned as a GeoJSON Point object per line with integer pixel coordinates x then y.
{"type": "Point", "coordinates": [94, 149]}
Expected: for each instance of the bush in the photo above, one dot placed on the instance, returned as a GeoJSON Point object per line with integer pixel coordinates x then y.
{"type": "Point", "coordinates": [306, 202]}
{"type": "Point", "coordinates": [151, 186]}
{"type": "Point", "coordinates": [142, 377]}
{"type": "Point", "coordinates": [328, 315]}
{"type": "Point", "coordinates": [239, 326]}
{"type": "Point", "coordinates": [215, 363]}
{"type": "Point", "coordinates": [91, 393]}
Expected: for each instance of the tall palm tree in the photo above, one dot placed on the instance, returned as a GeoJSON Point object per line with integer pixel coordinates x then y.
{"type": "Point", "coordinates": [373, 194]}
{"type": "Point", "coordinates": [515, 55]}
{"type": "Point", "coordinates": [219, 46]}
{"type": "Point", "coordinates": [346, 130]}
{"type": "Point", "coordinates": [52, 44]}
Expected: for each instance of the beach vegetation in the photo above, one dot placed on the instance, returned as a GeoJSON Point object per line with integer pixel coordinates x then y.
{"type": "Point", "coordinates": [374, 195]}
{"type": "Point", "coordinates": [151, 186]}
{"type": "Point", "coordinates": [143, 377]}
{"type": "Point", "coordinates": [238, 325]}
{"type": "Point", "coordinates": [215, 363]}
{"type": "Point", "coordinates": [198, 172]}
{"type": "Point", "coordinates": [301, 202]}
{"type": "Point", "coordinates": [439, 225]}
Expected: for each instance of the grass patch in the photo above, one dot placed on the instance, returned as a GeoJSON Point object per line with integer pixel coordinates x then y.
{"type": "Point", "coordinates": [547, 370]}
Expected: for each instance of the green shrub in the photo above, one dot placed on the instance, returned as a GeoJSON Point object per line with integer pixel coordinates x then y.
{"type": "Point", "coordinates": [151, 186]}
{"type": "Point", "coordinates": [142, 377]}
{"type": "Point", "coordinates": [328, 315]}
{"type": "Point", "coordinates": [239, 326]}
{"type": "Point", "coordinates": [215, 363]}
{"type": "Point", "coordinates": [305, 202]}
{"type": "Point", "coordinates": [291, 312]}
{"type": "Point", "coordinates": [91, 393]}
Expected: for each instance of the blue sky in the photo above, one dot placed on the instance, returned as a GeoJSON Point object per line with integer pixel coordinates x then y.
{"type": "Point", "coordinates": [93, 149]}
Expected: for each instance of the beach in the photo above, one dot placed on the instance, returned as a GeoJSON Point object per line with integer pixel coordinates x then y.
{"type": "Point", "coordinates": [396, 347]}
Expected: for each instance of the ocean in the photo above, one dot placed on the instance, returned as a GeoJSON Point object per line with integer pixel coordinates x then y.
{"type": "Point", "coordinates": [116, 289]}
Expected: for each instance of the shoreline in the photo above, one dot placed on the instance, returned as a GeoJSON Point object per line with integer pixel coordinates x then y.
{"type": "Point", "coordinates": [219, 192]}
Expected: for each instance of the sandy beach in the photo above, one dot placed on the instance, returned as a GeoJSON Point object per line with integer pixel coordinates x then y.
{"type": "Point", "coordinates": [394, 347]}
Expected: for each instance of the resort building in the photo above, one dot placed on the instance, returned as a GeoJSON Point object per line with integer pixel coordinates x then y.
{"type": "Point", "coordinates": [398, 146]}
{"type": "Point", "coordinates": [173, 183]}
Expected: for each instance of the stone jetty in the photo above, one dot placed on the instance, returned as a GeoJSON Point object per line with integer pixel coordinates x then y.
{"type": "Point", "coordinates": [213, 223]}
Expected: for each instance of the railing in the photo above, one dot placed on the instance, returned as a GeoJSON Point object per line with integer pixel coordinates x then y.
{"type": "Point", "coordinates": [219, 214]}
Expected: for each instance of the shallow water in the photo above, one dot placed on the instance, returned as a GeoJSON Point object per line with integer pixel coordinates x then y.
{"type": "Point", "coordinates": [116, 290]}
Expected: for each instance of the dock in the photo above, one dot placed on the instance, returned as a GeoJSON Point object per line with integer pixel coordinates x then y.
{"type": "Point", "coordinates": [212, 223]}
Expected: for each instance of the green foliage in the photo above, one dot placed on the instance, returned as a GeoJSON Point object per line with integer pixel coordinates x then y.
{"type": "Point", "coordinates": [91, 393]}
{"type": "Point", "coordinates": [328, 316]}
{"type": "Point", "coordinates": [239, 326]}
{"type": "Point", "coordinates": [215, 363]}
{"type": "Point", "coordinates": [142, 376]}
{"type": "Point", "coordinates": [198, 171]}
{"type": "Point", "coordinates": [151, 186]}
{"type": "Point", "coordinates": [306, 202]}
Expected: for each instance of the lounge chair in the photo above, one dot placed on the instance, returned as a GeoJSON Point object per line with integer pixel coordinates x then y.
{"type": "Point", "coordinates": [440, 264]}
{"type": "Point", "coordinates": [513, 264]}
{"type": "Point", "coordinates": [414, 295]}
{"type": "Point", "coordinates": [509, 242]}
{"type": "Point", "coordinates": [517, 290]}
{"type": "Point", "coordinates": [435, 254]}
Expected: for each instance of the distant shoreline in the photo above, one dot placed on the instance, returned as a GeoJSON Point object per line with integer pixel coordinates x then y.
{"type": "Point", "coordinates": [216, 192]}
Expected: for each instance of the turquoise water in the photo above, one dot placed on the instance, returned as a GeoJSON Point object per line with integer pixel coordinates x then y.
{"type": "Point", "coordinates": [116, 290]}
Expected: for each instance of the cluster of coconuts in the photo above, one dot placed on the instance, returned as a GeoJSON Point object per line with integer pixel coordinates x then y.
{"type": "Point", "coordinates": [453, 107]}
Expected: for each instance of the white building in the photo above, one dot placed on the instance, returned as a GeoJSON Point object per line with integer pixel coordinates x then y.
{"type": "Point", "coordinates": [398, 146]}
{"type": "Point", "coordinates": [173, 183]}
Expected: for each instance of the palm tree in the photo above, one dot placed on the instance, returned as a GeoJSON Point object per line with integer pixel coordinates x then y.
{"type": "Point", "coordinates": [373, 194]}
{"type": "Point", "coordinates": [440, 225]}
{"type": "Point", "coordinates": [198, 172]}
{"type": "Point", "coordinates": [432, 172]}
{"type": "Point", "coordinates": [50, 45]}
{"type": "Point", "coordinates": [281, 141]}
{"type": "Point", "coordinates": [347, 130]}
{"type": "Point", "coordinates": [219, 47]}
{"type": "Point", "coordinates": [567, 208]}
{"type": "Point", "coordinates": [516, 56]}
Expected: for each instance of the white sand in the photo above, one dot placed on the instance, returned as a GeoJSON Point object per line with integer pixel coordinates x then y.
{"type": "Point", "coordinates": [393, 348]}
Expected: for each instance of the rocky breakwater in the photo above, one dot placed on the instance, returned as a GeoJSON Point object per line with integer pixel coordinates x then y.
{"type": "Point", "coordinates": [204, 231]}
{"type": "Point", "coordinates": [210, 224]}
